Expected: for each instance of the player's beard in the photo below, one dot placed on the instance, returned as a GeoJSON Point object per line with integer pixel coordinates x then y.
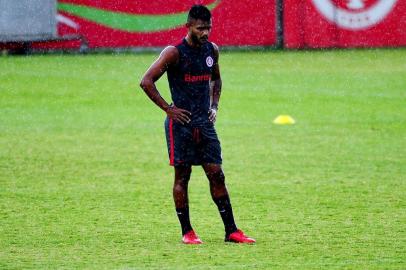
{"type": "Point", "coordinates": [204, 39]}
{"type": "Point", "coordinates": [199, 41]}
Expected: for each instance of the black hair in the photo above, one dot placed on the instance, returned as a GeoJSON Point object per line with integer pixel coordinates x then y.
{"type": "Point", "coordinates": [199, 12]}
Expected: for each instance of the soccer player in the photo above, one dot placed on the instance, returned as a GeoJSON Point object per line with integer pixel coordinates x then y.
{"type": "Point", "coordinates": [195, 84]}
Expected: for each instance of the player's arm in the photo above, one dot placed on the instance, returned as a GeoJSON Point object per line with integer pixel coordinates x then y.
{"type": "Point", "coordinates": [168, 57]}
{"type": "Point", "coordinates": [215, 86]}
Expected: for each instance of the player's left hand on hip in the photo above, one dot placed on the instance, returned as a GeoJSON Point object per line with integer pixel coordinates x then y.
{"type": "Point", "coordinates": [212, 115]}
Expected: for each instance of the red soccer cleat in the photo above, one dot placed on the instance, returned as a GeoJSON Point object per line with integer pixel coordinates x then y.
{"type": "Point", "coordinates": [239, 237]}
{"type": "Point", "coordinates": [191, 238]}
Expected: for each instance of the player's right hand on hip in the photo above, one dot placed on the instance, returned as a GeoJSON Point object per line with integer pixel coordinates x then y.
{"type": "Point", "coordinates": [177, 114]}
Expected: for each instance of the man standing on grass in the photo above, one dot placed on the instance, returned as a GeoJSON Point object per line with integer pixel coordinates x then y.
{"type": "Point", "coordinates": [195, 85]}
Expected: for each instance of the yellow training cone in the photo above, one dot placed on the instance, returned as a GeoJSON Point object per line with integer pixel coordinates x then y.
{"type": "Point", "coordinates": [284, 120]}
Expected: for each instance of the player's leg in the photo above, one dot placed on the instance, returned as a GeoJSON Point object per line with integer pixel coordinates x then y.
{"type": "Point", "coordinates": [210, 150]}
{"type": "Point", "coordinates": [180, 197]}
{"type": "Point", "coordinates": [219, 193]}
{"type": "Point", "coordinates": [178, 141]}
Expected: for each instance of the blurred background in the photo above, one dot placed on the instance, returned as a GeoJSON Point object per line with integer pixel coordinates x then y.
{"type": "Point", "coordinates": [92, 25]}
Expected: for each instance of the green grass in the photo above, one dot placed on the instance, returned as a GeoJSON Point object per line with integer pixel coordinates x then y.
{"type": "Point", "coordinates": [85, 181]}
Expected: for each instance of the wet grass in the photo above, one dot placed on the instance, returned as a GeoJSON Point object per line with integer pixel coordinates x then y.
{"type": "Point", "coordinates": [84, 180]}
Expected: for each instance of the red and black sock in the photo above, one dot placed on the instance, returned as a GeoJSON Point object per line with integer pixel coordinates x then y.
{"type": "Point", "coordinates": [226, 213]}
{"type": "Point", "coordinates": [183, 216]}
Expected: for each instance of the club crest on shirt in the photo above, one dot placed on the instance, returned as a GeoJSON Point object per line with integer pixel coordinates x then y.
{"type": "Point", "coordinates": [209, 61]}
{"type": "Point", "coordinates": [354, 14]}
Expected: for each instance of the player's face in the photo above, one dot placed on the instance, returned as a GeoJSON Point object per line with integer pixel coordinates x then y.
{"type": "Point", "coordinates": [199, 31]}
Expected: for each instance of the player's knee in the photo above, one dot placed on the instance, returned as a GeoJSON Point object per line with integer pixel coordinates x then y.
{"type": "Point", "coordinates": [217, 178]}
{"type": "Point", "coordinates": [180, 187]}
{"type": "Point", "coordinates": [182, 181]}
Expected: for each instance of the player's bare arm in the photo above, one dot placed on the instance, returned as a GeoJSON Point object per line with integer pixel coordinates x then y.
{"type": "Point", "coordinates": [215, 86]}
{"type": "Point", "coordinates": [168, 57]}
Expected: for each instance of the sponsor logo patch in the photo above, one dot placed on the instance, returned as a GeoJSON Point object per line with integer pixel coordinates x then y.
{"type": "Point", "coordinates": [197, 78]}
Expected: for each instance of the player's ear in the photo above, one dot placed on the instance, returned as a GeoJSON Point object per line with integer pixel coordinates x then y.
{"type": "Point", "coordinates": [189, 22]}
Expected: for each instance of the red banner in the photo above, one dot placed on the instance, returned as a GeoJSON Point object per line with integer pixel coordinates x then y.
{"type": "Point", "coordinates": [140, 23]}
{"type": "Point", "coordinates": [344, 23]}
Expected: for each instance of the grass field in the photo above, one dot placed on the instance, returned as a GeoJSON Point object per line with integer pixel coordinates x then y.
{"type": "Point", "coordinates": [85, 181]}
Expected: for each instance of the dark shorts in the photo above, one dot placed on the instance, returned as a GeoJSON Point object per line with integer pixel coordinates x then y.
{"type": "Point", "coordinates": [189, 145]}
